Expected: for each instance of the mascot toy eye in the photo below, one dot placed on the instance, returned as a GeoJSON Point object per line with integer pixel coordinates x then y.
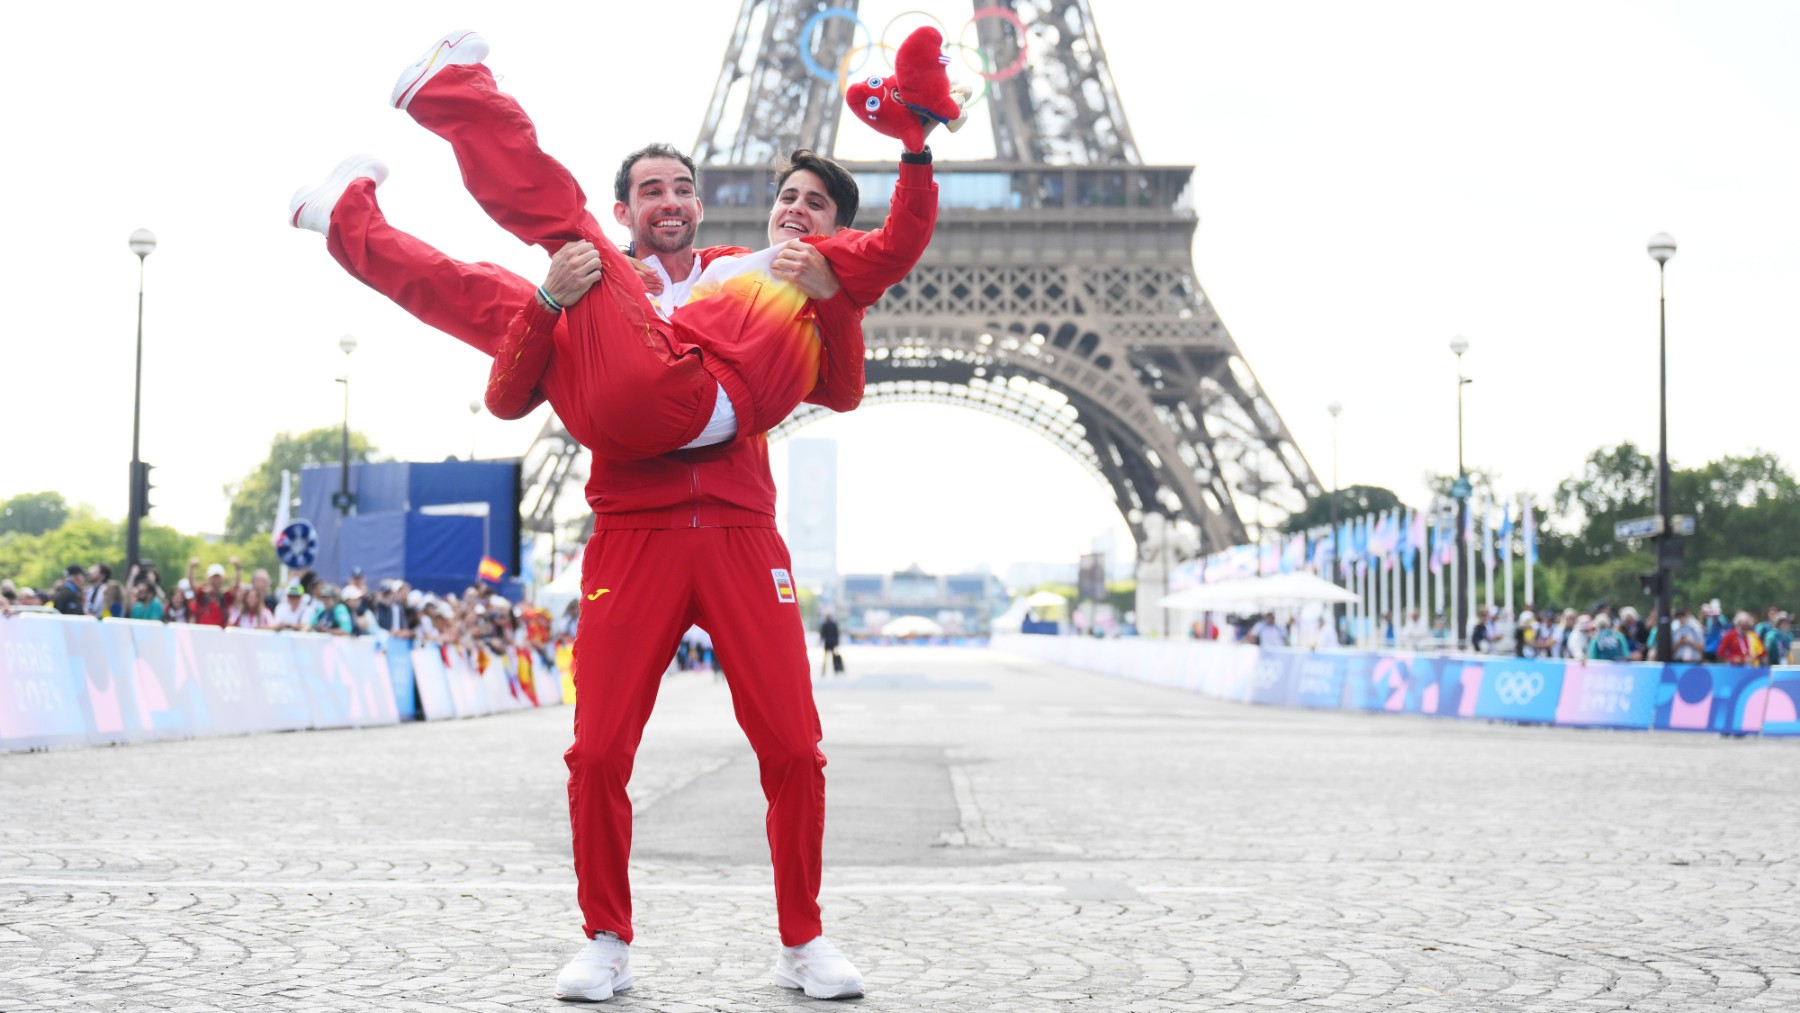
{"type": "Point", "coordinates": [917, 93]}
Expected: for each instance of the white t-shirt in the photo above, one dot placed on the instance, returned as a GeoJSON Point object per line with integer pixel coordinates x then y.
{"type": "Point", "coordinates": [292, 612]}
{"type": "Point", "coordinates": [674, 292]}
{"type": "Point", "coordinates": [722, 426]}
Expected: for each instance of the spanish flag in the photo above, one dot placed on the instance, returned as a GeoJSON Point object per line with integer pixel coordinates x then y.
{"type": "Point", "coordinates": [490, 570]}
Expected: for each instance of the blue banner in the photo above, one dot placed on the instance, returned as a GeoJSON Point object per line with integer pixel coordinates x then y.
{"type": "Point", "coordinates": [1273, 679]}
{"type": "Point", "coordinates": [397, 653]}
{"type": "Point", "coordinates": [1707, 698]}
{"type": "Point", "coordinates": [1518, 690]}
{"type": "Point", "coordinates": [1715, 698]}
{"type": "Point", "coordinates": [1318, 680]}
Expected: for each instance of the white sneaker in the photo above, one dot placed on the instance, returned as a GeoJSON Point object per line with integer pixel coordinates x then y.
{"type": "Point", "coordinates": [819, 969]}
{"type": "Point", "coordinates": [601, 968]}
{"type": "Point", "coordinates": [311, 208]}
{"type": "Point", "coordinates": [457, 47]}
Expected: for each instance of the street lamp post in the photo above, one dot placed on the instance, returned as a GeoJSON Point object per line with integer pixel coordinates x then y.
{"type": "Point", "coordinates": [1662, 247]}
{"type": "Point", "coordinates": [474, 411]}
{"type": "Point", "coordinates": [142, 242]}
{"type": "Point", "coordinates": [1459, 345]}
{"type": "Point", "coordinates": [344, 501]}
{"type": "Point", "coordinates": [1336, 610]}
{"type": "Point", "coordinates": [1334, 409]}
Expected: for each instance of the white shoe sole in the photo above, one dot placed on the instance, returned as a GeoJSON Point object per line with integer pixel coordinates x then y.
{"type": "Point", "coordinates": [593, 994]}
{"type": "Point", "coordinates": [435, 59]}
{"type": "Point", "coordinates": [326, 194]}
{"type": "Point", "coordinates": [787, 979]}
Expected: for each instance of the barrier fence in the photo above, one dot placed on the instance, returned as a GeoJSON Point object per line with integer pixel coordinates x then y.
{"type": "Point", "coordinates": [69, 680]}
{"type": "Point", "coordinates": [1708, 698]}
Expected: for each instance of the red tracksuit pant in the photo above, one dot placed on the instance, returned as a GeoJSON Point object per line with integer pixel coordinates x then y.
{"type": "Point", "coordinates": [643, 393]}
{"type": "Point", "coordinates": [657, 583]}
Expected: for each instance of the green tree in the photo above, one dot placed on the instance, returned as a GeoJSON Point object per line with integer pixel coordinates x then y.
{"type": "Point", "coordinates": [1352, 501]}
{"type": "Point", "coordinates": [1745, 549]}
{"type": "Point", "coordinates": [253, 498]}
{"type": "Point", "coordinates": [1742, 506]}
{"type": "Point", "coordinates": [85, 539]}
{"type": "Point", "coordinates": [1481, 484]}
{"type": "Point", "coordinates": [33, 513]}
{"type": "Point", "coordinates": [1615, 484]}
{"type": "Point", "coordinates": [19, 557]}
{"type": "Point", "coordinates": [1741, 583]}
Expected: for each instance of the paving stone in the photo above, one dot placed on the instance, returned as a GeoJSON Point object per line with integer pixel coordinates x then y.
{"type": "Point", "coordinates": [1003, 835]}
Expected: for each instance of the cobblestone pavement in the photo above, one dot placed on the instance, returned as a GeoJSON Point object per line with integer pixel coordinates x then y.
{"type": "Point", "coordinates": [1003, 835]}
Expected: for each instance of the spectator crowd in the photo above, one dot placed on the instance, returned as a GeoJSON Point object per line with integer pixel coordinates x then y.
{"type": "Point", "coordinates": [1605, 634]}
{"type": "Point", "coordinates": [477, 618]}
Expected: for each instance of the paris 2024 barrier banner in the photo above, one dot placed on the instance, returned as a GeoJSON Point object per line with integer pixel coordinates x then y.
{"type": "Point", "coordinates": [70, 680]}
{"type": "Point", "coordinates": [1701, 698]}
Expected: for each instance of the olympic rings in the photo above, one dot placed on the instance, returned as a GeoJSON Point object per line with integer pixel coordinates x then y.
{"type": "Point", "coordinates": [812, 65]}
{"type": "Point", "coordinates": [1013, 69]}
{"type": "Point", "coordinates": [896, 19]}
{"type": "Point", "coordinates": [987, 81]}
{"type": "Point", "coordinates": [845, 72]}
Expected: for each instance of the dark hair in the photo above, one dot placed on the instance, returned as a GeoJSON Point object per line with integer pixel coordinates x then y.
{"type": "Point", "coordinates": [840, 185]}
{"type": "Point", "coordinates": [622, 181]}
{"type": "Point", "coordinates": [105, 571]}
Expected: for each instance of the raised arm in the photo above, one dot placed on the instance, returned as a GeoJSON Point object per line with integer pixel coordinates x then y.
{"type": "Point", "coordinates": [868, 262]}
{"type": "Point", "coordinates": [840, 386]}
{"type": "Point", "coordinates": [524, 354]}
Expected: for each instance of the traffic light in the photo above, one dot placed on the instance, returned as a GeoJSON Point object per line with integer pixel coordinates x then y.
{"type": "Point", "coordinates": [140, 489]}
{"type": "Point", "coordinates": [1652, 583]}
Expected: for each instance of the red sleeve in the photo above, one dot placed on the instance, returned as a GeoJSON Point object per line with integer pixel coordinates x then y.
{"type": "Point", "coordinates": [519, 363]}
{"type": "Point", "coordinates": [868, 262]}
{"type": "Point", "coordinates": [840, 386]}
{"type": "Point", "coordinates": [708, 254]}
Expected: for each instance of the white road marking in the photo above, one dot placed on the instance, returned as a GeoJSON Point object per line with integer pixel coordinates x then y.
{"type": "Point", "coordinates": [504, 886]}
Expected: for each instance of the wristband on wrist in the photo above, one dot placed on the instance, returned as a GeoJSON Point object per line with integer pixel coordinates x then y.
{"type": "Point", "coordinates": [548, 303]}
{"type": "Point", "coordinates": [921, 157]}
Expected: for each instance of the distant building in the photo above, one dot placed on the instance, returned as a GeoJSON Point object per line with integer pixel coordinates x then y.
{"type": "Point", "coordinates": [962, 603]}
{"type": "Point", "coordinates": [812, 514]}
{"type": "Point", "coordinates": [1023, 577]}
{"type": "Point", "coordinates": [1120, 564]}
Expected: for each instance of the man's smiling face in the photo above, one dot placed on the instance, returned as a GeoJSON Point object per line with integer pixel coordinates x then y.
{"type": "Point", "coordinates": [663, 210]}
{"type": "Point", "coordinates": [802, 208]}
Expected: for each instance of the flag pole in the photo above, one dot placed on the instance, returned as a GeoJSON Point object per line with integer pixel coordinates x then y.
{"type": "Point", "coordinates": [1487, 551]}
{"type": "Point", "coordinates": [1530, 548]}
{"type": "Point", "coordinates": [1453, 578]}
{"type": "Point", "coordinates": [1506, 561]}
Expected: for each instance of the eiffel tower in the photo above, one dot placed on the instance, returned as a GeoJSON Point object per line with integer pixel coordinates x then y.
{"type": "Point", "coordinates": [1059, 289]}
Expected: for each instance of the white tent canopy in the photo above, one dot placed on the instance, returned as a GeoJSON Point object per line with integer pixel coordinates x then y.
{"type": "Point", "coordinates": [556, 595]}
{"type": "Point", "coordinates": [1286, 590]}
{"type": "Point", "coordinates": [912, 626]}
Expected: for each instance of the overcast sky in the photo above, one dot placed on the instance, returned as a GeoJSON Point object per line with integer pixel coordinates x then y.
{"type": "Point", "coordinates": [1372, 180]}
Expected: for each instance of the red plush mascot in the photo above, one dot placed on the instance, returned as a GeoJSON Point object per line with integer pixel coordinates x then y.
{"type": "Point", "coordinates": [918, 93]}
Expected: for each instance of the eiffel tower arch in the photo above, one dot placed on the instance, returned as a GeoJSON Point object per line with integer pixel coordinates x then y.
{"type": "Point", "coordinates": [1059, 291]}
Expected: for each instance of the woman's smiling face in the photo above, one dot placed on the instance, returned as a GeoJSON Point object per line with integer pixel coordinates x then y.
{"type": "Point", "coordinates": [802, 208]}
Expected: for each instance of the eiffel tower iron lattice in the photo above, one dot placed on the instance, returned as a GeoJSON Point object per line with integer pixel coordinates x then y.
{"type": "Point", "coordinates": [1059, 291]}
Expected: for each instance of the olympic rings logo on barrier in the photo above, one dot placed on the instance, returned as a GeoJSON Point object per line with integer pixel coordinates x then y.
{"type": "Point", "coordinates": [1518, 688]}
{"type": "Point", "coordinates": [976, 59]}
